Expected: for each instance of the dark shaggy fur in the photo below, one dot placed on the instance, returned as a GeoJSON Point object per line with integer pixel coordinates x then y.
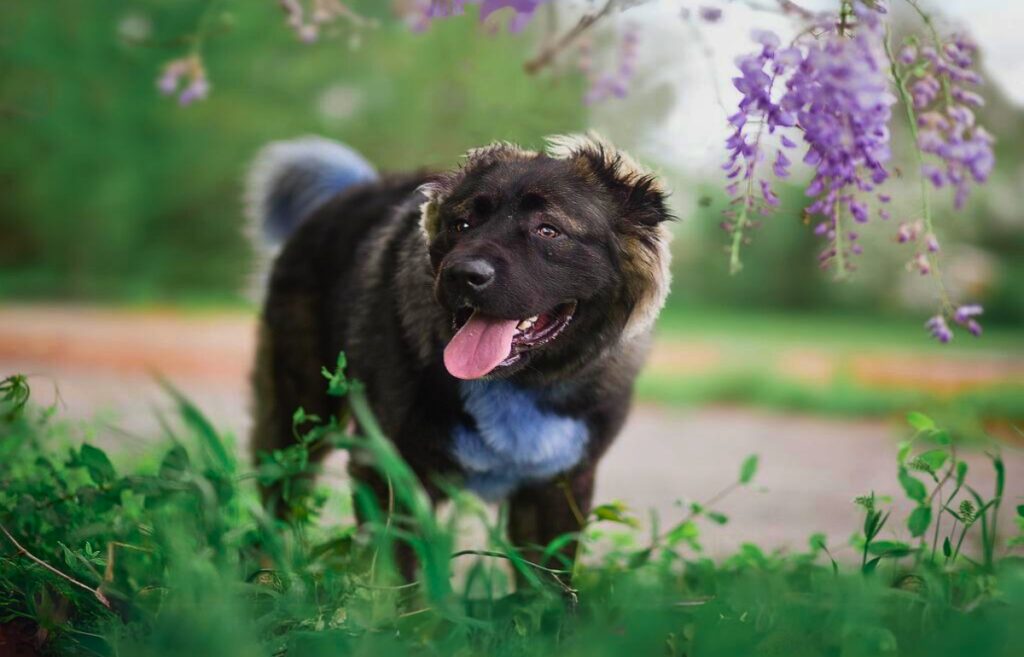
{"type": "Point", "coordinates": [380, 272]}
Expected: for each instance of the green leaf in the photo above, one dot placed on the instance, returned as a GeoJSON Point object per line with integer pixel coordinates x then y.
{"type": "Point", "coordinates": [870, 566]}
{"type": "Point", "coordinates": [997, 463]}
{"type": "Point", "coordinates": [912, 486]}
{"type": "Point", "coordinates": [638, 559]}
{"type": "Point", "coordinates": [718, 518]}
{"type": "Point", "coordinates": [903, 451]}
{"type": "Point", "coordinates": [337, 383]}
{"type": "Point", "coordinates": [95, 460]}
{"type": "Point", "coordinates": [216, 453]}
{"type": "Point", "coordinates": [615, 512]}
{"type": "Point", "coordinates": [1020, 510]}
{"type": "Point", "coordinates": [942, 437]}
{"type": "Point", "coordinates": [684, 532]}
{"type": "Point", "coordinates": [947, 547]}
{"type": "Point", "coordinates": [961, 472]}
{"type": "Point", "coordinates": [890, 549]}
{"type": "Point", "coordinates": [934, 458]}
{"type": "Point", "coordinates": [920, 421]}
{"type": "Point", "coordinates": [919, 520]}
{"type": "Point", "coordinates": [174, 463]}
{"type": "Point", "coordinates": [748, 469]}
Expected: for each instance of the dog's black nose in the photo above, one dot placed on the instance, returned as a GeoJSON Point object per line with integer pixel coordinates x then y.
{"type": "Point", "coordinates": [471, 274]}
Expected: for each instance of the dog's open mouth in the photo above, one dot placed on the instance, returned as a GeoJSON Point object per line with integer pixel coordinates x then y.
{"type": "Point", "coordinates": [483, 344]}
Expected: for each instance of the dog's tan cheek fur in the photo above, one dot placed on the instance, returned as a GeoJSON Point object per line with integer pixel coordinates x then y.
{"type": "Point", "coordinates": [648, 277]}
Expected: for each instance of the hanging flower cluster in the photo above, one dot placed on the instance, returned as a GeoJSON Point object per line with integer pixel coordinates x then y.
{"type": "Point", "coordinates": [944, 103]}
{"type": "Point", "coordinates": [759, 115]}
{"type": "Point", "coordinates": [186, 77]}
{"type": "Point", "coordinates": [826, 99]}
{"type": "Point", "coordinates": [833, 93]}
{"type": "Point", "coordinates": [837, 99]}
{"type": "Point", "coordinates": [309, 19]}
{"type": "Point", "coordinates": [615, 82]}
{"type": "Point", "coordinates": [420, 13]}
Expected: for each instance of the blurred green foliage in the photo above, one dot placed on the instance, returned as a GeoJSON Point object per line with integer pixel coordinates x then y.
{"type": "Point", "coordinates": [174, 556]}
{"type": "Point", "coordinates": [110, 191]}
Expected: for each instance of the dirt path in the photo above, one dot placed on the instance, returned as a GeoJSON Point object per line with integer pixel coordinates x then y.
{"type": "Point", "coordinates": [811, 469]}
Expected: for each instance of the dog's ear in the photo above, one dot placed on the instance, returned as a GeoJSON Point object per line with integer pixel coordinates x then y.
{"type": "Point", "coordinates": [639, 193]}
{"type": "Point", "coordinates": [641, 213]}
{"type": "Point", "coordinates": [436, 190]}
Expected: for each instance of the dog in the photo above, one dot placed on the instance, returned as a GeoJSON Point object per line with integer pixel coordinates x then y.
{"type": "Point", "coordinates": [497, 313]}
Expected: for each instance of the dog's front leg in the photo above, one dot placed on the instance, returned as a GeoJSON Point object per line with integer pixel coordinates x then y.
{"type": "Point", "coordinates": [541, 513]}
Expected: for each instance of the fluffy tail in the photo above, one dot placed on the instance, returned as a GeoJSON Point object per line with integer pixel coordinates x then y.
{"type": "Point", "coordinates": [290, 179]}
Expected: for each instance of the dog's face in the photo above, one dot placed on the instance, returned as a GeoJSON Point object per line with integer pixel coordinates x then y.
{"type": "Point", "coordinates": [543, 259]}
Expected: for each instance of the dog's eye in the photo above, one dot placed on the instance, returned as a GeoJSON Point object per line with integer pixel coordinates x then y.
{"type": "Point", "coordinates": [460, 226]}
{"type": "Point", "coordinates": [548, 231]}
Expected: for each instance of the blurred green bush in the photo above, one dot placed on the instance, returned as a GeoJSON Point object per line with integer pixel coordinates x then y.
{"type": "Point", "coordinates": [109, 191]}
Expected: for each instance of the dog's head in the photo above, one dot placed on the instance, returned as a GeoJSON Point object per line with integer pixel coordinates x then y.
{"type": "Point", "coordinates": [544, 259]}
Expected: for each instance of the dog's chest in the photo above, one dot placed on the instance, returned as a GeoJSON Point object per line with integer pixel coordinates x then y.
{"type": "Point", "coordinates": [513, 440]}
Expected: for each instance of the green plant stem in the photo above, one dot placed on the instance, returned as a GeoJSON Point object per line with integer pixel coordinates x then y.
{"type": "Point", "coordinates": [926, 18]}
{"type": "Point", "coordinates": [926, 210]}
{"type": "Point", "coordinates": [21, 550]}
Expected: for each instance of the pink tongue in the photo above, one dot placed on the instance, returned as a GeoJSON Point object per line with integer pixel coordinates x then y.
{"type": "Point", "coordinates": [479, 346]}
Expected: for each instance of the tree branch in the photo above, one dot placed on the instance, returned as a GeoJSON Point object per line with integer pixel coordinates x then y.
{"type": "Point", "coordinates": [548, 54]}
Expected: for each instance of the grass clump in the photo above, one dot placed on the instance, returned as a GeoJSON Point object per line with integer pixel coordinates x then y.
{"type": "Point", "coordinates": [177, 557]}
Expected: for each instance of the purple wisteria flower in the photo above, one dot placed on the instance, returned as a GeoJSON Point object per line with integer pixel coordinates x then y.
{"type": "Point", "coordinates": [759, 114]}
{"type": "Point", "coordinates": [947, 126]}
{"type": "Point", "coordinates": [524, 10]}
{"type": "Point", "coordinates": [842, 97]}
{"type": "Point", "coordinates": [710, 14]}
{"type": "Point", "coordinates": [614, 83]}
{"type": "Point", "coordinates": [420, 13]}
{"type": "Point", "coordinates": [187, 74]}
{"type": "Point", "coordinates": [939, 329]}
{"type": "Point", "coordinates": [964, 315]}
{"type": "Point", "coordinates": [838, 95]}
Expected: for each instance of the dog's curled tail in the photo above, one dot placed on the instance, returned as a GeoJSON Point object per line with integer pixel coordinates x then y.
{"type": "Point", "coordinates": [290, 179]}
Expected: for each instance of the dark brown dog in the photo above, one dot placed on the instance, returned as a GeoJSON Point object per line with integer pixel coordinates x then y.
{"type": "Point", "coordinates": [497, 313]}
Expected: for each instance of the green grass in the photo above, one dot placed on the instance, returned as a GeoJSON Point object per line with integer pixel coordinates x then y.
{"type": "Point", "coordinates": [173, 555]}
{"type": "Point", "coordinates": [753, 348]}
{"type": "Point", "coordinates": [768, 389]}
{"type": "Point", "coordinates": [846, 333]}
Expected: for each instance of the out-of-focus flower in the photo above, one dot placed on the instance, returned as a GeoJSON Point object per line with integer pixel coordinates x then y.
{"type": "Point", "coordinates": [524, 10]}
{"type": "Point", "coordinates": [307, 17]}
{"type": "Point", "coordinates": [964, 315]}
{"type": "Point", "coordinates": [420, 13]}
{"type": "Point", "coordinates": [947, 127]}
{"type": "Point", "coordinates": [614, 83]}
{"type": "Point", "coordinates": [939, 329]}
{"type": "Point", "coordinates": [921, 264]}
{"type": "Point", "coordinates": [710, 14]}
{"type": "Point", "coordinates": [188, 74]}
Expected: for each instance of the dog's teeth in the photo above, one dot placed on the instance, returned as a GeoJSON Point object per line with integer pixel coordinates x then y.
{"type": "Point", "coordinates": [525, 324]}
{"type": "Point", "coordinates": [532, 319]}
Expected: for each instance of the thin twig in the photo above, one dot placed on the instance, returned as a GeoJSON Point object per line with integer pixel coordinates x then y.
{"type": "Point", "coordinates": [548, 54]}
{"type": "Point", "coordinates": [96, 592]}
{"type": "Point", "coordinates": [568, 590]}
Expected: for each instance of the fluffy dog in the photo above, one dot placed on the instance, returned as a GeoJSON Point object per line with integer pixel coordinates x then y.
{"type": "Point", "coordinates": [497, 313]}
